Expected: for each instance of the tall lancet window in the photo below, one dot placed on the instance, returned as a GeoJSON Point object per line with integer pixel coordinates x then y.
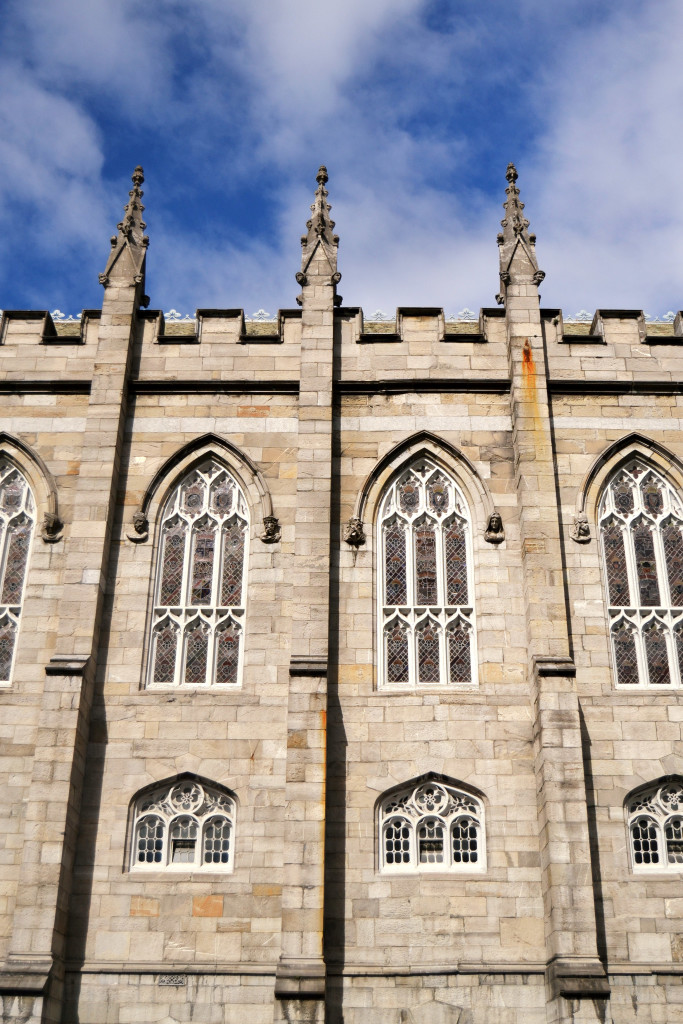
{"type": "Point", "coordinates": [426, 593]}
{"type": "Point", "coordinates": [200, 588]}
{"type": "Point", "coordinates": [17, 518]}
{"type": "Point", "coordinates": [641, 526]}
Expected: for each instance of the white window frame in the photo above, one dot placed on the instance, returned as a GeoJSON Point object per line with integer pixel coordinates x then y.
{"type": "Point", "coordinates": [633, 616]}
{"type": "Point", "coordinates": [412, 616]}
{"type": "Point", "coordinates": [661, 805]}
{"type": "Point", "coordinates": [173, 802]}
{"type": "Point", "coordinates": [211, 616]}
{"type": "Point", "coordinates": [431, 801]}
{"type": "Point", "coordinates": [11, 613]}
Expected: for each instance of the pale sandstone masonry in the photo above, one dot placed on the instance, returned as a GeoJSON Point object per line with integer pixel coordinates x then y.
{"type": "Point", "coordinates": [315, 414]}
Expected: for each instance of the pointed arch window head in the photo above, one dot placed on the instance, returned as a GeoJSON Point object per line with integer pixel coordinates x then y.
{"type": "Point", "coordinates": [186, 825]}
{"type": "Point", "coordinates": [431, 826]}
{"type": "Point", "coordinates": [426, 614]}
{"type": "Point", "coordinates": [17, 521]}
{"type": "Point", "coordinates": [654, 822]}
{"type": "Point", "coordinates": [200, 589]}
{"type": "Point", "coordinates": [641, 527]}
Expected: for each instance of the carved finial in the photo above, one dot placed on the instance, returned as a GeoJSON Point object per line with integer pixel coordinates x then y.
{"type": "Point", "coordinates": [320, 239]}
{"type": "Point", "coordinates": [517, 254]}
{"type": "Point", "coordinates": [131, 237]}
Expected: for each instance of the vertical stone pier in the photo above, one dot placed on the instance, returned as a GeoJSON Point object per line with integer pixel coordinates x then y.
{"type": "Point", "coordinates": [300, 982]}
{"type": "Point", "coordinates": [37, 945]}
{"type": "Point", "coordinates": [574, 969]}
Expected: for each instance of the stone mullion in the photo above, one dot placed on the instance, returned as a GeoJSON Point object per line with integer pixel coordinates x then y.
{"type": "Point", "coordinates": [37, 944]}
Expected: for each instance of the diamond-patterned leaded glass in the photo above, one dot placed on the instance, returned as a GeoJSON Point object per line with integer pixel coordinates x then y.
{"type": "Point", "coordinates": [395, 565]}
{"type": "Point", "coordinates": [459, 655]}
{"type": "Point", "coordinates": [425, 564]}
{"type": "Point", "coordinates": [615, 563]}
{"type": "Point", "coordinates": [196, 651]}
{"type": "Point", "coordinates": [425, 559]}
{"type": "Point", "coordinates": [8, 632]}
{"type": "Point", "coordinates": [428, 653]}
{"type": "Point", "coordinates": [657, 656]}
{"type": "Point", "coordinates": [165, 647]}
{"type": "Point", "coordinates": [202, 565]}
{"type": "Point", "coordinates": [397, 654]}
{"type": "Point", "coordinates": [18, 543]}
{"type": "Point", "coordinates": [641, 521]}
{"type": "Point", "coordinates": [456, 563]}
{"type": "Point", "coordinates": [673, 550]}
{"type": "Point", "coordinates": [233, 564]}
{"type": "Point", "coordinates": [625, 655]}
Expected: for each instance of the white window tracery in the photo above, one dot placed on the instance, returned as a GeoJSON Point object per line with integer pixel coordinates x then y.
{"type": "Point", "coordinates": [200, 588]}
{"type": "Point", "coordinates": [185, 825]}
{"type": "Point", "coordinates": [431, 826]}
{"type": "Point", "coordinates": [641, 527]}
{"type": "Point", "coordinates": [655, 827]}
{"type": "Point", "coordinates": [426, 588]}
{"type": "Point", "coordinates": [17, 519]}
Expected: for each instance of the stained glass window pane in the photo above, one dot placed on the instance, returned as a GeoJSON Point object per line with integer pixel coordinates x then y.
{"type": "Point", "coordinates": [202, 564]}
{"type": "Point", "coordinates": [221, 496]}
{"type": "Point", "coordinates": [425, 565]}
{"type": "Point", "coordinates": [150, 842]}
{"type": "Point", "coordinates": [673, 549]}
{"type": "Point", "coordinates": [430, 842]}
{"type": "Point", "coordinates": [196, 648]}
{"type": "Point", "coordinates": [438, 497]}
{"type": "Point", "coordinates": [615, 561]}
{"type": "Point", "coordinates": [172, 565]}
{"type": "Point", "coordinates": [456, 564]}
{"type": "Point", "coordinates": [193, 497]}
{"type": "Point", "coordinates": [217, 841]}
{"type": "Point", "coordinates": [465, 839]}
{"type": "Point", "coordinates": [7, 638]}
{"type": "Point", "coordinates": [657, 656]}
{"type": "Point", "coordinates": [625, 655]}
{"type": "Point", "coordinates": [409, 496]}
{"type": "Point", "coordinates": [397, 842]}
{"type": "Point", "coordinates": [227, 655]}
{"type": "Point", "coordinates": [646, 566]}
{"type": "Point", "coordinates": [644, 840]}
{"type": "Point", "coordinates": [12, 493]}
{"type": "Point", "coordinates": [459, 655]}
{"type": "Point", "coordinates": [653, 500]}
{"type": "Point", "coordinates": [623, 498]}
{"type": "Point", "coordinates": [674, 840]}
{"type": "Point", "coordinates": [233, 563]}
{"type": "Point", "coordinates": [395, 564]}
{"type": "Point", "coordinates": [166, 642]}
{"type": "Point", "coordinates": [15, 566]}
{"type": "Point", "coordinates": [428, 654]}
{"type": "Point", "coordinates": [397, 654]}
{"type": "Point", "coordinates": [678, 637]}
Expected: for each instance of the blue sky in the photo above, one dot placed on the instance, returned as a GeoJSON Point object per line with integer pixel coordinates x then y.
{"type": "Point", "coordinates": [415, 106]}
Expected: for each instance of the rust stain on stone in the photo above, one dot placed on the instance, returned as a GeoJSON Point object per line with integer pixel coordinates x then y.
{"type": "Point", "coordinates": [528, 364]}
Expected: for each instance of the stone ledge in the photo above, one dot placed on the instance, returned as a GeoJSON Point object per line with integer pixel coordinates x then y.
{"type": "Point", "coordinates": [300, 979]}
{"type": "Point", "coordinates": [554, 666]}
{"type": "Point", "coordinates": [307, 665]}
{"type": "Point", "coordinates": [578, 979]}
{"type": "Point", "coordinates": [67, 664]}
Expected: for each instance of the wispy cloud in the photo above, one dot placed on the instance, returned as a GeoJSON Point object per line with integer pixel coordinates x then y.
{"type": "Point", "coordinates": [416, 107]}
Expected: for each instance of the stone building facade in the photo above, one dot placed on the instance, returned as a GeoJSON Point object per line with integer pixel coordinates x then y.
{"type": "Point", "coordinates": [341, 660]}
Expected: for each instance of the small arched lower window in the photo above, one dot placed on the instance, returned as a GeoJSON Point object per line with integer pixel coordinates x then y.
{"type": "Point", "coordinates": [200, 588]}
{"type": "Point", "coordinates": [431, 826]}
{"type": "Point", "coordinates": [17, 518]}
{"type": "Point", "coordinates": [641, 526]}
{"type": "Point", "coordinates": [184, 825]}
{"type": "Point", "coordinates": [426, 592]}
{"type": "Point", "coordinates": [655, 827]}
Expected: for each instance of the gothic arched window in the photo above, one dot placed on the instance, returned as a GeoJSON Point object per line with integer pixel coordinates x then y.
{"type": "Point", "coordinates": [200, 588]}
{"type": "Point", "coordinates": [655, 827]}
{"type": "Point", "coordinates": [17, 518]}
{"type": "Point", "coordinates": [426, 593]}
{"type": "Point", "coordinates": [184, 825]}
{"type": "Point", "coordinates": [431, 826]}
{"type": "Point", "coordinates": [641, 525]}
